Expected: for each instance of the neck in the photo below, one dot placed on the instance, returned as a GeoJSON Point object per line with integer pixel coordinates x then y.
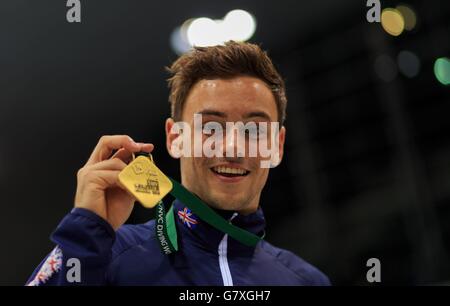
{"type": "Point", "coordinates": [248, 210]}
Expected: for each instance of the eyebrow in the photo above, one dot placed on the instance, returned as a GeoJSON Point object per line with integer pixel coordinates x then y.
{"type": "Point", "coordinates": [212, 112]}
{"type": "Point", "coordinates": [258, 114]}
{"type": "Point", "coordinates": [217, 113]}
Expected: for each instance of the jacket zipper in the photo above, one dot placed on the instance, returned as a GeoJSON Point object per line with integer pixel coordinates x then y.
{"type": "Point", "coordinates": [223, 260]}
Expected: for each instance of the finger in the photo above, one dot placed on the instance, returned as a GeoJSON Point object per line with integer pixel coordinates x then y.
{"type": "Point", "coordinates": [107, 144]}
{"type": "Point", "coordinates": [124, 155]}
{"type": "Point", "coordinates": [109, 164]}
{"type": "Point", "coordinates": [103, 179]}
{"type": "Point", "coordinates": [147, 147]}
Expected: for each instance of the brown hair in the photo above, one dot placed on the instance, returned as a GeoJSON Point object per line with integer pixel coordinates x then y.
{"type": "Point", "coordinates": [223, 61]}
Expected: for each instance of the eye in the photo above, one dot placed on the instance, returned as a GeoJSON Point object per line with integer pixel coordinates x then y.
{"type": "Point", "coordinates": [211, 127]}
{"type": "Point", "coordinates": [252, 132]}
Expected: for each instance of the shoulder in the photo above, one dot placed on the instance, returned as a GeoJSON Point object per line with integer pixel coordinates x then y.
{"type": "Point", "coordinates": [310, 275]}
{"type": "Point", "coordinates": [130, 235]}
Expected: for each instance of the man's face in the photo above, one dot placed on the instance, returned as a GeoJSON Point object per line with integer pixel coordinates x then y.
{"type": "Point", "coordinates": [229, 183]}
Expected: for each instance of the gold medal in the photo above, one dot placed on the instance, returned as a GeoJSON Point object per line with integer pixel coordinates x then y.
{"type": "Point", "coordinates": [145, 181]}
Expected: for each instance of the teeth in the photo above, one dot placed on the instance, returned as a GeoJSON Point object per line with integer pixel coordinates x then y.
{"type": "Point", "coordinates": [228, 170]}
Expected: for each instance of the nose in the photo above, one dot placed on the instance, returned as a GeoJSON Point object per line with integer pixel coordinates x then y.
{"type": "Point", "coordinates": [234, 144]}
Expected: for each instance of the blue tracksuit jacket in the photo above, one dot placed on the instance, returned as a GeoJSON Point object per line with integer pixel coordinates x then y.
{"type": "Point", "coordinates": [132, 255]}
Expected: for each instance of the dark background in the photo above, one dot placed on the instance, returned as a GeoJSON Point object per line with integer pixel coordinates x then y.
{"type": "Point", "coordinates": [367, 165]}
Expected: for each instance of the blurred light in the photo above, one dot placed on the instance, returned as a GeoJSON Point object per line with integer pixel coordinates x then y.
{"type": "Point", "coordinates": [178, 39]}
{"type": "Point", "coordinates": [237, 25]}
{"type": "Point", "coordinates": [392, 21]}
{"type": "Point", "coordinates": [385, 68]}
{"type": "Point", "coordinates": [408, 63]}
{"type": "Point", "coordinates": [442, 70]}
{"type": "Point", "coordinates": [204, 32]}
{"type": "Point", "coordinates": [179, 45]}
{"type": "Point", "coordinates": [409, 16]}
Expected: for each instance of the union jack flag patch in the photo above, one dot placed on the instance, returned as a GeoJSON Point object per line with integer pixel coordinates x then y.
{"type": "Point", "coordinates": [187, 217]}
{"type": "Point", "coordinates": [51, 265]}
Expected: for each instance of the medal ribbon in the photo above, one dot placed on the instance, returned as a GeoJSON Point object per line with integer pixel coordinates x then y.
{"type": "Point", "coordinates": [204, 212]}
{"type": "Point", "coordinates": [149, 193]}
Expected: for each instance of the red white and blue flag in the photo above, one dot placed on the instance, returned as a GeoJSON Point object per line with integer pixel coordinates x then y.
{"type": "Point", "coordinates": [51, 266]}
{"type": "Point", "coordinates": [187, 217]}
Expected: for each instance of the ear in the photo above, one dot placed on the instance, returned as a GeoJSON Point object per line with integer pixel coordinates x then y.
{"type": "Point", "coordinates": [170, 136]}
{"type": "Point", "coordinates": [281, 139]}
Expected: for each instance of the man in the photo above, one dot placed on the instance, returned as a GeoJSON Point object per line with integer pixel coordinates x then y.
{"type": "Point", "coordinates": [236, 82]}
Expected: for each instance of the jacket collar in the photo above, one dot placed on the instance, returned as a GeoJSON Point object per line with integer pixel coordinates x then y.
{"type": "Point", "coordinates": [201, 234]}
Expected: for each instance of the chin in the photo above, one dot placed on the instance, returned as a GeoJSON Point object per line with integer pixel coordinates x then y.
{"type": "Point", "coordinates": [227, 203]}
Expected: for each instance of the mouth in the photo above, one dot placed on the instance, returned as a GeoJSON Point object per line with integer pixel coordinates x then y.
{"type": "Point", "coordinates": [229, 172]}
